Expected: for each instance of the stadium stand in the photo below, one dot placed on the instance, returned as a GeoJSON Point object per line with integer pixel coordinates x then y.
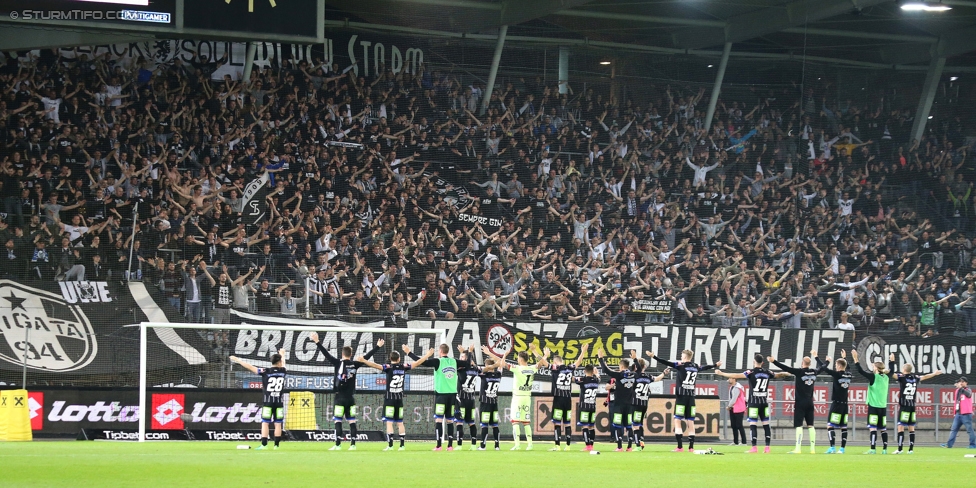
{"type": "Point", "coordinates": [390, 197]}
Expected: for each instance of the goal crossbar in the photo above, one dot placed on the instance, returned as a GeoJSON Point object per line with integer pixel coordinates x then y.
{"type": "Point", "coordinates": [145, 326]}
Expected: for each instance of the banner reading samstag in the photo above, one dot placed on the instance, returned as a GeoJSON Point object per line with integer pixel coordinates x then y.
{"type": "Point", "coordinates": [734, 347]}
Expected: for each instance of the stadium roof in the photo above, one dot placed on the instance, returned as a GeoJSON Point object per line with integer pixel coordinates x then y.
{"type": "Point", "coordinates": [870, 33]}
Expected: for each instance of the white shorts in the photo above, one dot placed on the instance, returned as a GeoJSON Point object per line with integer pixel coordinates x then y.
{"type": "Point", "coordinates": [521, 409]}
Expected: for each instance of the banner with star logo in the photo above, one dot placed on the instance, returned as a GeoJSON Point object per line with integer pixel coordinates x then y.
{"type": "Point", "coordinates": [79, 328]}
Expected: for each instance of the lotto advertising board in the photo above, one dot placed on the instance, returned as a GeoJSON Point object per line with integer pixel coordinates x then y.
{"type": "Point", "coordinates": [63, 412]}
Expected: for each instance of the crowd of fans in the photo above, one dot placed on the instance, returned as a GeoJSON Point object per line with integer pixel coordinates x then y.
{"type": "Point", "coordinates": [394, 197]}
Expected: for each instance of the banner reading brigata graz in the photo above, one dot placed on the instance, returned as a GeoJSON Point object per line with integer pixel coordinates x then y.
{"type": "Point", "coordinates": [78, 327]}
{"type": "Point", "coordinates": [734, 347]}
{"type": "Point", "coordinates": [256, 346]}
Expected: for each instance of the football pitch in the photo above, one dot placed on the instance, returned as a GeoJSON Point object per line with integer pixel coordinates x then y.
{"type": "Point", "coordinates": [218, 464]}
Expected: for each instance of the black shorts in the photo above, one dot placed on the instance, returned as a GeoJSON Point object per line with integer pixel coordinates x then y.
{"type": "Point", "coordinates": [444, 406]}
{"type": "Point", "coordinates": [803, 412]}
{"type": "Point", "coordinates": [345, 409]}
{"type": "Point", "coordinates": [393, 411]}
{"type": "Point", "coordinates": [621, 416]}
{"type": "Point", "coordinates": [640, 411]}
{"type": "Point", "coordinates": [684, 408]}
{"type": "Point", "coordinates": [877, 418]}
{"type": "Point", "coordinates": [562, 410]}
{"type": "Point", "coordinates": [273, 412]}
{"type": "Point", "coordinates": [464, 411]}
{"type": "Point", "coordinates": [906, 416]}
{"type": "Point", "coordinates": [758, 412]}
{"type": "Point", "coordinates": [585, 415]}
{"type": "Point", "coordinates": [838, 415]}
{"type": "Point", "coordinates": [489, 414]}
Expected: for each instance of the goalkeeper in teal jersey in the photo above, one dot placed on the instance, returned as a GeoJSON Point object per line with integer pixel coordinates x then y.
{"type": "Point", "coordinates": [877, 403]}
{"type": "Point", "coordinates": [523, 373]}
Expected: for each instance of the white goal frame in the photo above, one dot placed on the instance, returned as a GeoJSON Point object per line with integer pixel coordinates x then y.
{"type": "Point", "coordinates": [440, 334]}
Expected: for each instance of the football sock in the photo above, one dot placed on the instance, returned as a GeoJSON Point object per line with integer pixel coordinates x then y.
{"type": "Point", "coordinates": [516, 432]}
{"type": "Point", "coordinates": [569, 435]}
{"type": "Point", "coordinates": [755, 434]}
{"type": "Point", "coordinates": [843, 438]}
{"type": "Point", "coordinates": [559, 434]}
{"type": "Point", "coordinates": [884, 439]}
{"type": "Point", "coordinates": [438, 433]}
{"type": "Point", "coordinates": [389, 439]}
{"type": "Point", "coordinates": [830, 436]}
{"type": "Point", "coordinates": [450, 435]}
{"type": "Point", "coordinates": [799, 437]}
{"type": "Point", "coordinates": [403, 438]}
{"type": "Point", "coordinates": [901, 440]}
{"type": "Point", "coordinates": [494, 433]}
{"type": "Point", "coordinates": [338, 429]}
{"type": "Point", "coordinates": [352, 434]}
{"type": "Point", "coordinates": [813, 436]}
{"type": "Point", "coordinates": [264, 441]}
{"type": "Point", "coordinates": [677, 437]}
{"type": "Point", "coordinates": [769, 434]}
{"type": "Point", "coordinates": [874, 439]}
{"type": "Point", "coordinates": [630, 437]}
{"type": "Point", "coordinates": [528, 434]}
{"type": "Point", "coordinates": [474, 433]}
{"type": "Point", "coordinates": [691, 441]}
{"type": "Point", "coordinates": [277, 440]}
{"type": "Point", "coordinates": [911, 441]}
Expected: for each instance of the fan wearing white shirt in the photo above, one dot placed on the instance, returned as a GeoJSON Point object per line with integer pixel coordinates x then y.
{"type": "Point", "coordinates": [701, 172]}
{"type": "Point", "coordinates": [845, 323]}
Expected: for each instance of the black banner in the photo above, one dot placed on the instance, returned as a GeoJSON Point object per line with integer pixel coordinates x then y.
{"type": "Point", "coordinates": [79, 327]}
{"type": "Point", "coordinates": [659, 307]}
{"type": "Point", "coordinates": [256, 346]}
{"type": "Point", "coordinates": [133, 435]}
{"type": "Point", "coordinates": [255, 207]}
{"type": "Point", "coordinates": [734, 347]}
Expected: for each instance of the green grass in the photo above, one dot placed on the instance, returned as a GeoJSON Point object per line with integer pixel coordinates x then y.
{"type": "Point", "coordinates": [217, 464]}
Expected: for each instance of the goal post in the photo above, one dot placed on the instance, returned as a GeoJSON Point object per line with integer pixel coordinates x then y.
{"type": "Point", "coordinates": [259, 341]}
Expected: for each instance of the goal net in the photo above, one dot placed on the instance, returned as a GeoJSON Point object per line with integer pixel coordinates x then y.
{"type": "Point", "coordinates": [218, 394]}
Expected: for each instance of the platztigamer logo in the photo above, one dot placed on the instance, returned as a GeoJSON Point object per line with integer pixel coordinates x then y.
{"type": "Point", "coordinates": [52, 334]}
